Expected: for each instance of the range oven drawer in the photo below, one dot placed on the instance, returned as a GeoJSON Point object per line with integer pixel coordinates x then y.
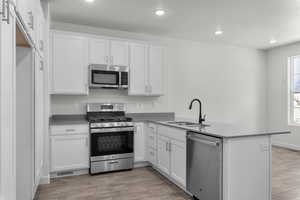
{"type": "Point", "coordinates": [111, 165]}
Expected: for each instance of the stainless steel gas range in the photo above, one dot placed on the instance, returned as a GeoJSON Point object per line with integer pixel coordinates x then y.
{"type": "Point", "coordinates": [111, 138]}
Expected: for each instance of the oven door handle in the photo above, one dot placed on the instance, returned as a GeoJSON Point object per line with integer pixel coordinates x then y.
{"type": "Point", "coordinates": [112, 130]}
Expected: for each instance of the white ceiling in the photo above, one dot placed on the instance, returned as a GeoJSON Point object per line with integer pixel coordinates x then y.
{"type": "Point", "coordinates": [250, 23]}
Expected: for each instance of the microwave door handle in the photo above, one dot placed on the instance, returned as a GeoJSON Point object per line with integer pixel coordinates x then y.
{"type": "Point", "coordinates": [120, 79]}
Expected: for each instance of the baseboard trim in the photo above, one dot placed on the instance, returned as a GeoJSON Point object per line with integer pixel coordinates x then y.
{"type": "Point", "coordinates": [286, 145]}
{"type": "Point", "coordinates": [141, 164]}
{"type": "Point", "coordinates": [45, 180]}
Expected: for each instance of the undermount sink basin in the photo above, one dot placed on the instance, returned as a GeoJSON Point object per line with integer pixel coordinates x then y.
{"type": "Point", "coordinates": [189, 124]}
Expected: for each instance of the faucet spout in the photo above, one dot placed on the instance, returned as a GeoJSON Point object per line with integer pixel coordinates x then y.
{"type": "Point", "coordinates": [200, 109]}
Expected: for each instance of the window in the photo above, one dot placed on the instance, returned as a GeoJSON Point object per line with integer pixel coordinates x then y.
{"type": "Point", "coordinates": [294, 88]}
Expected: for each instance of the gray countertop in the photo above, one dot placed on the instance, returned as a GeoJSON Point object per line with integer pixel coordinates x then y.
{"type": "Point", "coordinates": [68, 119]}
{"type": "Point", "coordinates": [226, 130]}
{"type": "Point", "coordinates": [215, 129]}
{"type": "Point", "coordinates": [136, 117]}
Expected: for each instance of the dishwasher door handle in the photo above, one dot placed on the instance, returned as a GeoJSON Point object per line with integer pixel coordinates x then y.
{"type": "Point", "coordinates": [211, 143]}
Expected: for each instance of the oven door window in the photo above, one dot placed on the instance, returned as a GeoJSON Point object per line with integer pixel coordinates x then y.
{"type": "Point", "coordinates": [105, 77]}
{"type": "Point", "coordinates": [111, 143]}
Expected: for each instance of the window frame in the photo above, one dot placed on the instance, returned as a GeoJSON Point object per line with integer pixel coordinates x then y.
{"type": "Point", "coordinates": [290, 78]}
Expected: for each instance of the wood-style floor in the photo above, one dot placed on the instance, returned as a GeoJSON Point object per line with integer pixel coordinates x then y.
{"type": "Point", "coordinates": [146, 184]}
{"type": "Point", "coordinates": [286, 174]}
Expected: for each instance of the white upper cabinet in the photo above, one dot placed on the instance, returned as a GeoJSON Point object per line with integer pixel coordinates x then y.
{"type": "Point", "coordinates": [118, 53]}
{"type": "Point", "coordinates": [69, 64]}
{"type": "Point", "coordinates": [98, 51]}
{"type": "Point", "coordinates": [155, 70]}
{"type": "Point", "coordinates": [138, 66]}
{"type": "Point", "coordinates": [108, 52]}
{"type": "Point", "coordinates": [146, 70]}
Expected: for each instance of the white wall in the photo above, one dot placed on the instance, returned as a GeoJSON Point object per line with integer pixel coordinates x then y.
{"type": "Point", "coordinates": [231, 81]}
{"type": "Point", "coordinates": [278, 94]}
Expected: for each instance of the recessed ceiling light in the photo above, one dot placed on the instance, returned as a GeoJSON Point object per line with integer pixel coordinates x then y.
{"type": "Point", "coordinates": [218, 32]}
{"type": "Point", "coordinates": [160, 12]}
{"type": "Point", "coordinates": [273, 41]}
{"type": "Point", "coordinates": [90, 1]}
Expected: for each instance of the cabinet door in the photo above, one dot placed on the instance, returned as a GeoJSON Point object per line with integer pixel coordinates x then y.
{"type": "Point", "coordinates": [138, 66]}
{"type": "Point", "coordinates": [39, 118]}
{"type": "Point", "coordinates": [178, 161]}
{"type": "Point", "coordinates": [69, 152]}
{"type": "Point", "coordinates": [98, 51]}
{"type": "Point", "coordinates": [119, 53]}
{"type": "Point", "coordinates": [155, 70]}
{"type": "Point", "coordinates": [163, 154]}
{"type": "Point", "coordinates": [139, 143]}
{"type": "Point", "coordinates": [69, 64]}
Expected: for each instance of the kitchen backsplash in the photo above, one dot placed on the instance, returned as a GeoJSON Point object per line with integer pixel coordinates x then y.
{"type": "Point", "coordinates": [63, 104]}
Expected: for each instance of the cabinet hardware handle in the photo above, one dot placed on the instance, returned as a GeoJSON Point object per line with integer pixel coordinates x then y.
{"type": "Point", "coordinates": [41, 45]}
{"type": "Point", "coordinates": [115, 162]}
{"type": "Point", "coordinates": [31, 17]}
{"type": "Point", "coordinates": [86, 142]}
{"type": "Point", "coordinates": [170, 145]}
{"type": "Point", "coordinates": [166, 146]}
{"type": "Point", "coordinates": [41, 65]}
{"type": "Point", "coordinates": [5, 2]}
{"type": "Point", "coordinates": [70, 130]}
{"type": "Point", "coordinates": [111, 60]}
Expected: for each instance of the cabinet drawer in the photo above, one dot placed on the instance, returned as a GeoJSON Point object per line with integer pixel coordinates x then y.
{"type": "Point", "coordinates": [173, 133]}
{"type": "Point", "coordinates": [152, 140]}
{"type": "Point", "coordinates": [69, 129]}
{"type": "Point", "coordinates": [152, 156]}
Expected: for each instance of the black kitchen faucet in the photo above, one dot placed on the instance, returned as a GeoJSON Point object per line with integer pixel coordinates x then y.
{"type": "Point", "coordinates": [200, 110]}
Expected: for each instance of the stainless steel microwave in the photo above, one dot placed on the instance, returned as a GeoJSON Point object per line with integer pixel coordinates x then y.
{"type": "Point", "coordinates": [103, 76]}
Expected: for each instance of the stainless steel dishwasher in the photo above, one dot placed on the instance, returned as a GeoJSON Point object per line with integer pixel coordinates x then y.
{"type": "Point", "coordinates": [204, 166]}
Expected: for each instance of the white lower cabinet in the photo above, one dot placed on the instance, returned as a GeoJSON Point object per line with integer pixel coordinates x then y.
{"type": "Point", "coordinates": [178, 161]}
{"type": "Point", "coordinates": [163, 154]}
{"type": "Point", "coordinates": [139, 143]}
{"type": "Point", "coordinates": [69, 152]}
{"type": "Point", "coordinates": [171, 155]}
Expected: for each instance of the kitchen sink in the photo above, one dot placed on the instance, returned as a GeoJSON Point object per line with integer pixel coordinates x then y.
{"type": "Point", "coordinates": [189, 124]}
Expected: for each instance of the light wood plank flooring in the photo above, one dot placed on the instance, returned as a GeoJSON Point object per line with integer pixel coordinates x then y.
{"type": "Point", "coordinates": [138, 184]}
{"type": "Point", "coordinates": [146, 184]}
{"type": "Point", "coordinates": [286, 174]}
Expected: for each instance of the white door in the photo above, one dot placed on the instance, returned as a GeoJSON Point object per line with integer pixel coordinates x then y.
{"type": "Point", "coordinates": [139, 143]}
{"type": "Point", "coordinates": [155, 70]}
{"type": "Point", "coordinates": [138, 66]}
{"type": "Point", "coordinates": [118, 53]}
{"type": "Point", "coordinates": [98, 51]}
{"type": "Point", "coordinates": [163, 154]}
{"type": "Point", "coordinates": [39, 118]}
{"type": "Point", "coordinates": [69, 152]}
{"type": "Point", "coordinates": [69, 64]}
{"type": "Point", "coordinates": [7, 107]}
{"type": "Point", "coordinates": [178, 161]}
